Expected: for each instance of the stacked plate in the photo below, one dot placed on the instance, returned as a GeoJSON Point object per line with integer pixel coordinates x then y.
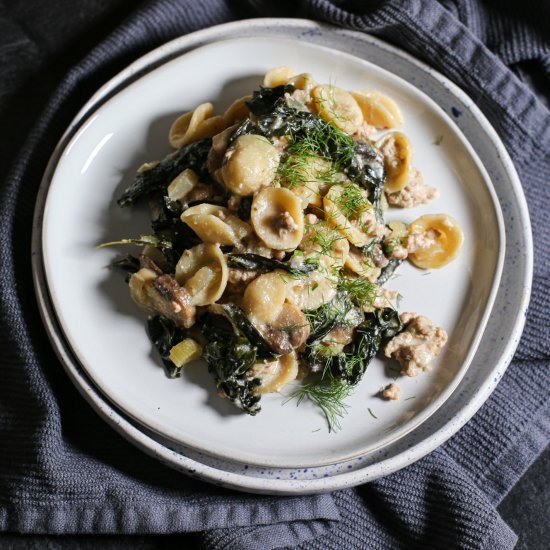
{"type": "Point", "coordinates": [100, 338]}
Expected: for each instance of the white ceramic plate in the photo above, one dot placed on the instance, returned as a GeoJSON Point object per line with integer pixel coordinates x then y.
{"type": "Point", "coordinates": [106, 331]}
{"type": "Point", "coordinates": [499, 340]}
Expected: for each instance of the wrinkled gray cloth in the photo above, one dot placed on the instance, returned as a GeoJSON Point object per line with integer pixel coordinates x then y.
{"type": "Point", "coordinates": [63, 471]}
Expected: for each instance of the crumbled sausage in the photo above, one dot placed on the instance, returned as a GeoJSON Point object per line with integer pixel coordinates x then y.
{"type": "Point", "coordinates": [418, 345]}
{"type": "Point", "coordinates": [414, 193]}
{"type": "Point", "coordinates": [384, 297]}
{"type": "Point", "coordinates": [421, 241]}
{"type": "Point", "coordinates": [233, 202]}
{"type": "Point", "coordinates": [391, 392]}
{"type": "Point", "coordinates": [285, 223]}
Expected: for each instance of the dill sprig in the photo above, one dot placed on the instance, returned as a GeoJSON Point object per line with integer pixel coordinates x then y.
{"type": "Point", "coordinates": [352, 201]}
{"type": "Point", "coordinates": [360, 290]}
{"type": "Point", "coordinates": [321, 237]}
{"type": "Point", "coordinates": [326, 141]}
{"type": "Point", "coordinates": [328, 394]}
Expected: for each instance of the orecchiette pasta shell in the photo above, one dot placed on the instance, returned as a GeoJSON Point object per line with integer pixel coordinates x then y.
{"type": "Point", "coordinates": [249, 164]}
{"type": "Point", "coordinates": [137, 284]}
{"type": "Point", "coordinates": [398, 156]}
{"type": "Point", "coordinates": [437, 239]}
{"type": "Point", "coordinates": [215, 224]}
{"type": "Point", "coordinates": [337, 107]}
{"type": "Point", "coordinates": [275, 375]}
{"type": "Point", "coordinates": [325, 243]}
{"type": "Point", "coordinates": [237, 111]}
{"type": "Point", "coordinates": [378, 110]}
{"type": "Point", "coordinates": [278, 218]}
{"type": "Point", "coordinates": [278, 76]}
{"type": "Point", "coordinates": [310, 292]}
{"type": "Point", "coordinates": [211, 229]}
{"type": "Point", "coordinates": [307, 178]}
{"type": "Point", "coordinates": [358, 224]}
{"type": "Point", "coordinates": [303, 81]}
{"type": "Point", "coordinates": [357, 263]}
{"type": "Point", "coordinates": [185, 126]}
{"type": "Point", "coordinates": [207, 285]}
{"type": "Point", "coordinates": [264, 297]}
{"type": "Point", "coordinates": [202, 270]}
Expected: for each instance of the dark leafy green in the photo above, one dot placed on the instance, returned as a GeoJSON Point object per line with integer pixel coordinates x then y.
{"type": "Point", "coordinates": [276, 117]}
{"type": "Point", "coordinates": [127, 263]}
{"type": "Point", "coordinates": [339, 312]}
{"type": "Point", "coordinates": [241, 324]}
{"type": "Point", "coordinates": [157, 178]}
{"type": "Point", "coordinates": [165, 334]}
{"type": "Point", "coordinates": [245, 207]}
{"type": "Point", "coordinates": [168, 226]}
{"type": "Point", "coordinates": [377, 328]}
{"type": "Point", "coordinates": [263, 100]}
{"type": "Point", "coordinates": [260, 263]}
{"type": "Point", "coordinates": [227, 363]}
{"type": "Point", "coordinates": [229, 356]}
{"type": "Point", "coordinates": [388, 271]}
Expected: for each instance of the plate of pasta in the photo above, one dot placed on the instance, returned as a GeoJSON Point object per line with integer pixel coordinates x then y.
{"type": "Point", "coordinates": [320, 235]}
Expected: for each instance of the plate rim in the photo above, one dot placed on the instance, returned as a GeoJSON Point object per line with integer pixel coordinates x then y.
{"type": "Point", "coordinates": [132, 408]}
{"type": "Point", "coordinates": [191, 41]}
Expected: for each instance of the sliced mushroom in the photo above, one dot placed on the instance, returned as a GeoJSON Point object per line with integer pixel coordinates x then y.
{"type": "Point", "coordinates": [160, 293]}
{"type": "Point", "coordinates": [289, 330]}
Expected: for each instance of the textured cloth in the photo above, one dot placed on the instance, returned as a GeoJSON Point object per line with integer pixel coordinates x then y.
{"type": "Point", "coordinates": [62, 470]}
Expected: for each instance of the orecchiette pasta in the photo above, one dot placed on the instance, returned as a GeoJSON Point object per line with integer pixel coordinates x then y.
{"type": "Point", "coordinates": [195, 125]}
{"type": "Point", "coordinates": [325, 243]}
{"type": "Point", "coordinates": [237, 111]}
{"type": "Point", "coordinates": [303, 81]}
{"type": "Point", "coordinates": [215, 224]}
{"type": "Point", "coordinates": [250, 163]}
{"type": "Point", "coordinates": [275, 375]}
{"type": "Point", "coordinates": [202, 270]}
{"type": "Point", "coordinates": [307, 177]}
{"type": "Point", "coordinates": [278, 218]}
{"type": "Point", "coordinates": [337, 107]}
{"type": "Point", "coordinates": [310, 292]}
{"type": "Point", "coordinates": [397, 151]}
{"type": "Point", "coordinates": [434, 240]}
{"type": "Point", "coordinates": [358, 263]}
{"type": "Point", "coordinates": [278, 76]}
{"type": "Point", "coordinates": [349, 210]}
{"type": "Point", "coordinates": [378, 109]}
{"type": "Point", "coordinates": [270, 250]}
{"type": "Point", "coordinates": [264, 297]}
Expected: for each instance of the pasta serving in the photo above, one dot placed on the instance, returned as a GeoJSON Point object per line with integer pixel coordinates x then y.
{"type": "Point", "coordinates": [269, 249]}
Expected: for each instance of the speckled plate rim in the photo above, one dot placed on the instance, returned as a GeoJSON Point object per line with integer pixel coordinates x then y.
{"type": "Point", "coordinates": [249, 482]}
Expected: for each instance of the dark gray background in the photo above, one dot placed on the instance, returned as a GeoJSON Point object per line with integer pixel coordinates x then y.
{"type": "Point", "coordinates": [40, 41]}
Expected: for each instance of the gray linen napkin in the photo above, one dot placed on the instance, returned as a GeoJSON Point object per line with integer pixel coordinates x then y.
{"type": "Point", "coordinates": [63, 471]}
